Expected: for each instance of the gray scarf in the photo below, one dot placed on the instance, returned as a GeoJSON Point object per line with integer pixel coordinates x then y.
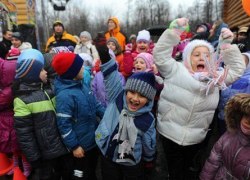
{"type": "Point", "coordinates": [126, 137]}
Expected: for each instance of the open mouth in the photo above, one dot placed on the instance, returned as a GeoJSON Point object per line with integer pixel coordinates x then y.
{"type": "Point", "coordinates": [200, 67]}
{"type": "Point", "coordinates": [138, 69]}
{"type": "Point", "coordinates": [142, 48]}
{"type": "Point", "coordinates": [133, 106]}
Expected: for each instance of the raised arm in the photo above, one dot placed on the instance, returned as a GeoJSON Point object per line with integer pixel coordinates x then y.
{"type": "Point", "coordinates": [232, 56]}
{"type": "Point", "coordinates": [112, 80]}
{"type": "Point", "coordinates": [163, 49]}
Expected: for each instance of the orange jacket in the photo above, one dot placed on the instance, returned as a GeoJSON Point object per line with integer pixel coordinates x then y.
{"type": "Point", "coordinates": [116, 33]}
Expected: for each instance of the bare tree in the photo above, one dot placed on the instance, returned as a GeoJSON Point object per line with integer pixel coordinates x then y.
{"type": "Point", "coordinates": [181, 12]}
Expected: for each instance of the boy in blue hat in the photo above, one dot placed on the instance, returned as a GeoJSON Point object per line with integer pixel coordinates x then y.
{"type": "Point", "coordinates": [35, 118]}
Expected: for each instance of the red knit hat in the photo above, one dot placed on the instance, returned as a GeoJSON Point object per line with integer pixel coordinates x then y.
{"type": "Point", "coordinates": [67, 65]}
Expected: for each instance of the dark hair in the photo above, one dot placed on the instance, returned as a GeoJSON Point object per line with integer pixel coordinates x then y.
{"type": "Point", "coordinates": [5, 31]}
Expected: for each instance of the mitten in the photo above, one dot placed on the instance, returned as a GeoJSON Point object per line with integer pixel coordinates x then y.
{"type": "Point", "coordinates": [179, 25]}
{"type": "Point", "coordinates": [226, 38]}
{"type": "Point", "coordinates": [128, 47]}
{"type": "Point", "coordinates": [103, 52]}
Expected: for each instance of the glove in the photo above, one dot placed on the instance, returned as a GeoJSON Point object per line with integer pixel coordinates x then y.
{"type": "Point", "coordinates": [103, 52]}
{"type": "Point", "coordinates": [226, 38]}
{"type": "Point", "coordinates": [180, 25]}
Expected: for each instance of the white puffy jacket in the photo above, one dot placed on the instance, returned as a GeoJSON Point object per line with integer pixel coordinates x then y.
{"type": "Point", "coordinates": [184, 110]}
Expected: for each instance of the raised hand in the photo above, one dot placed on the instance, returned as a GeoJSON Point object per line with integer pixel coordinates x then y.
{"type": "Point", "coordinates": [180, 25]}
{"type": "Point", "coordinates": [103, 52]}
{"type": "Point", "coordinates": [226, 38]}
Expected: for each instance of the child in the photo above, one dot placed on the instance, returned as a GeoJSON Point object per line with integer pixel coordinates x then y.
{"type": "Point", "coordinates": [126, 135]}
{"type": "Point", "coordinates": [191, 93]}
{"type": "Point", "coordinates": [143, 41]}
{"type": "Point", "coordinates": [113, 44]}
{"type": "Point", "coordinates": [35, 118]}
{"type": "Point", "coordinates": [76, 114]}
{"type": "Point", "coordinates": [143, 62]}
{"type": "Point", "coordinates": [8, 141]}
{"type": "Point", "coordinates": [229, 158]}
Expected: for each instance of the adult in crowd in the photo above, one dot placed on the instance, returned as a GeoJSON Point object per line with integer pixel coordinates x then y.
{"type": "Point", "coordinates": [243, 39]}
{"type": "Point", "coordinates": [114, 31]}
{"type": "Point", "coordinates": [17, 41]}
{"type": "Point", "coordinates": [215, 32]}
{"type": "Point", "coordinates": [86, 46]}
{"type": "Point", "coordinates": [5, 44]}
{"type": "Point", "coordinates": [202, 31]}
{"type": "Point", "coordinates": [60, 37]}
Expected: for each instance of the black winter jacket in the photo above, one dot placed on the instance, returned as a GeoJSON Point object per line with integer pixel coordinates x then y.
{"type": "Point", "coordinates": [35, 123]}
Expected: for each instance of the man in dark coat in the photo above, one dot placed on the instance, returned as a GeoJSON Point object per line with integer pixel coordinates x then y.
{"type": "Point", "coordinates": [5, 44]}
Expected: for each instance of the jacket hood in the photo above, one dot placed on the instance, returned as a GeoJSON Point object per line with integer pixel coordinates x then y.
{"type": "Point", "coordinates": [117, 28]}
{"type": "Point", "coordinates": [62, 84]}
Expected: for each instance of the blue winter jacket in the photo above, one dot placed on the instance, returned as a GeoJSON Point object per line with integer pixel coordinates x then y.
{"type": "Point", "coordinates": [76, 109]}
{"type": "Point", "coordinates": [242, 85]}
{"type": "Point", "coordinates": [145, 146]}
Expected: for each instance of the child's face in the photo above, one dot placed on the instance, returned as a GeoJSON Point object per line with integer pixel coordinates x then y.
{"type": "Point", "coordinates": [16, 42]}
{"type": "Point", "coordinates": [135, 100]}
{"type": "Point", "coordinates": [140, 65]}
{"type": "Point", "coordinates": [84, 39]}
{"type": "Point", "coordinates": [246, 120]}
{"type": "Point", "coordinates": [197, 58]}
{"type": "Point", "coordinates": [79, 76]}
{"type": "Point", "coordinates": [142, 46]}
{"type": "Point", "coordinates": [43, 76]}
{"type": "Point", "coordinates": [111, 46]}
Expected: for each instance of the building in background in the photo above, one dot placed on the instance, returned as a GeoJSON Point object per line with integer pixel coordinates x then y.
{"type": "Point", "coordinates": [19, 15]}
{"type": "Point", "coordinates": [234, 14]}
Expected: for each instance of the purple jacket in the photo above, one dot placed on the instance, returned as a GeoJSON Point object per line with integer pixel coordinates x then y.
{"type": "Point", "coordinates": [229, 158]}
{"type": "Point", "coordinates": [98, 88]}
{"type": "Point", "coordinates": [8, 142]}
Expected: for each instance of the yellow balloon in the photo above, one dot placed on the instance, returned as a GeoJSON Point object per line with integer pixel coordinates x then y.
{"type": "Point", "coordinates": [246, 6]}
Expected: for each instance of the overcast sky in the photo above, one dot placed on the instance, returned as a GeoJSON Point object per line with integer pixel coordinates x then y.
{"type": "Point", "coordinates": [120, 7]}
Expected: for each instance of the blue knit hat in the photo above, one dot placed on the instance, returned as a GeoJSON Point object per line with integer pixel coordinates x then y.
{"type": "Point", "coordinates": [29, 70]}
{"type": "Point", "coordinates": [143, 83]}
{"type": "Point", "coordinates": [31, 54]}
{"type": "Point", "coordinates": [29, 65]}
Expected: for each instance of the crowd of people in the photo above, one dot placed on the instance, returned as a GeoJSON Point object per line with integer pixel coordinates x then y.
{"type": "Point", "coordinates": [85, 99]}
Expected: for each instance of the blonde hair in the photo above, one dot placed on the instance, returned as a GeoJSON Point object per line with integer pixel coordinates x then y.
{"type": "Point", "coordinates": [237, 107]}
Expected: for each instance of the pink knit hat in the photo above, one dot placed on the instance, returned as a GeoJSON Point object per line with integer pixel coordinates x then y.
{"type": "Point", "coordinates": [148, 58]}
